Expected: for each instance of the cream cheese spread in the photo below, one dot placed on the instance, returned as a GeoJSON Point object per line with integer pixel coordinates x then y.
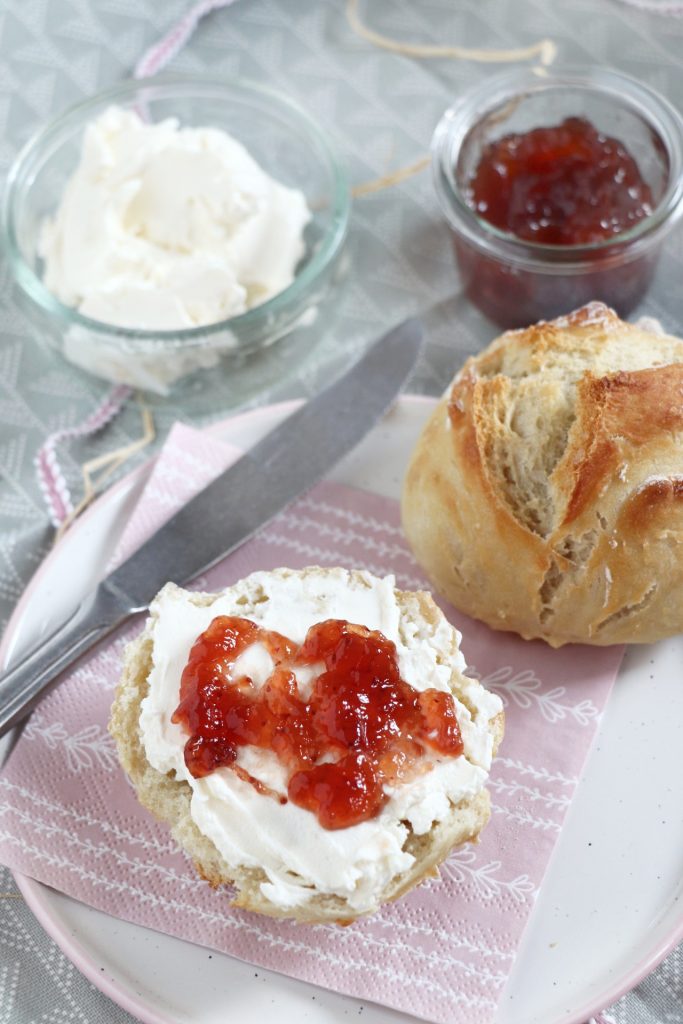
{"type": "Point", "coordinates": [163, 227]}
{"type": "Point", "coordinates": [299, 857]}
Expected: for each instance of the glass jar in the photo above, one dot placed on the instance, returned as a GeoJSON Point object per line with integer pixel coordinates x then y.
{"type": "Point", "coordinates": [282, 139]}
{"type": "Point", "coordinates": [516, 282]}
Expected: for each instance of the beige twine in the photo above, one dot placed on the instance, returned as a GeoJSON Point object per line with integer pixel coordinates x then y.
{"type": "Point", "coordinates": [395, 178]}
{"type": "Point", "coordinates": [544, 49]}
{"type": "Point", "coordinates": [98, 470]}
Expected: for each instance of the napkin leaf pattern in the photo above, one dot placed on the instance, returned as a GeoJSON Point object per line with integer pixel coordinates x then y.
{"type": "Point", "coordinates": [462, 868]}
{"type": "Point", "coordinates": [525, 688]}
{"type": "Point", "coordinates": [444, 953]}
{"type": "Point", "coordinates": [91, 747]}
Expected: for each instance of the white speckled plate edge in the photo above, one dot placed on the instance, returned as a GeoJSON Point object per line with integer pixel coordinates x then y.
{"type": "Point", "coordinates": [610, 907]}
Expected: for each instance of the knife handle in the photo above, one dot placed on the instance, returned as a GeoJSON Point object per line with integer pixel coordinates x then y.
{"type": "Point", "coordinates": [23, 685]}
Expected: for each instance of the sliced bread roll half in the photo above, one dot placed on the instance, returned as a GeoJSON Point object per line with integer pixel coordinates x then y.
{"type": "Point", "coordinates": [236, 823]}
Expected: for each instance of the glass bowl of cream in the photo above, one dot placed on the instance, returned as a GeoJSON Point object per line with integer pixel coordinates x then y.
{"type": "Point", "coordinates": [167, 226]}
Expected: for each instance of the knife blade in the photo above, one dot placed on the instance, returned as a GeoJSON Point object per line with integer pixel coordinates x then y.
{"type": "Point", "coordinates": [280, 467]}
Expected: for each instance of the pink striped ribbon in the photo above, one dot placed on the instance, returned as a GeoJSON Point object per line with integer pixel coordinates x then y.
{"type": "Point", "coordinates": [158, 55]}
{"type": "Point", "coordinates": [51, 478]}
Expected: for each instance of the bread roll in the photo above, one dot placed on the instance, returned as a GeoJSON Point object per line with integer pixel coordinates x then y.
{"type": "Point", "coordinates": [281, 860]}
{"type": "Point", "coordinates": [545, 495]}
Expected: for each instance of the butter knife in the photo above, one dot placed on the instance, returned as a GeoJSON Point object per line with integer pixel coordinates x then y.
{"type": "Point", "coordinates": [280, 467]}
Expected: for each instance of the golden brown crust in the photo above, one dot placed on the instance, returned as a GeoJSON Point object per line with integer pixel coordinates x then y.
{"type": "Point", "coordinates": [169, 799]}
{"type": "Point", "coordinates": [545, 496]}
{"type": "Point", "coordinates": [633, 409]}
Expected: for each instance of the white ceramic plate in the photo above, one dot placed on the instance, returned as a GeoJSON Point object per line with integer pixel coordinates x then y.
{"type": "Point", "coordinates": [610, 907]}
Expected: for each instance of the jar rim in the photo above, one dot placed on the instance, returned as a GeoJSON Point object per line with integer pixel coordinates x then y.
{"type": "Point", "coordinates": [483, 99]}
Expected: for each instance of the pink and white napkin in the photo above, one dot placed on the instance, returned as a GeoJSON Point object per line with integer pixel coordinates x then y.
{"type": "Point", "coordinates": [68, 817]}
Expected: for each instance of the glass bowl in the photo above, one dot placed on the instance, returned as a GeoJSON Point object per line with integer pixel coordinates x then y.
{"type": "Point", "coordinates": [286, 143]}
{"type": "Point", "coordinates": [517, 282]}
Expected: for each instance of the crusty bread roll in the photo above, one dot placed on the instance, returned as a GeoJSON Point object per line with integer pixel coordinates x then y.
{"type": "Point", "coordinates": [424, 640]}
{"type": "Point", "coordinates": [545, 495]}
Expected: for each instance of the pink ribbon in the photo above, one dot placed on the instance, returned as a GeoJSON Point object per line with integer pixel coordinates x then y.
{"type": "Point", "coordinates": [50, 475]}
{"type": "Point", "coordinates": [158, 55]}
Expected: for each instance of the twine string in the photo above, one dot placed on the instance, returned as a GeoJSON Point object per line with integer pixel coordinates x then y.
{"type": "Point", "coordinates": [544, 49]}
{"type": "Point", "coordinates": [388, 180]}
{"type": "Point", "coordinates": [98, 470]}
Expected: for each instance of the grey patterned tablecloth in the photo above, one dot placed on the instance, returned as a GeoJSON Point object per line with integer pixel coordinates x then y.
{"type": "Point", "coordinates": [382, 108]}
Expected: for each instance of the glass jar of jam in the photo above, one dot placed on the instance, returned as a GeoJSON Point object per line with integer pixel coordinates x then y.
{"type": "Point", "coordinates": [559, 189]}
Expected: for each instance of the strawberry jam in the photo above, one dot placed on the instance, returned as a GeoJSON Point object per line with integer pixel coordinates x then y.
{"type": "Point", "coordinates": [565, 185]}
{"type": "Point", "coordinates": [566, 199]}
{"type": "Point", "coordinates": [362, 726]}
